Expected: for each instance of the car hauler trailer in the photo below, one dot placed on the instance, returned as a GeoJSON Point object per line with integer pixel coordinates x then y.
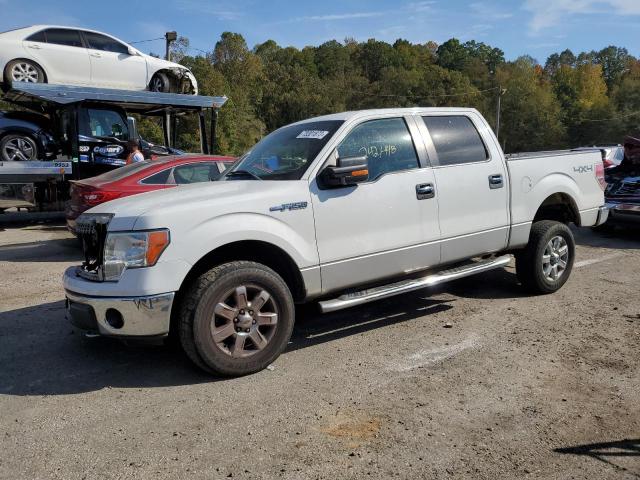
{"type": "Point", "coordinates": [89, 129]}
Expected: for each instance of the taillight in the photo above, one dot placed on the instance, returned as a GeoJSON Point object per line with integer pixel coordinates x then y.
{"type": "Point", "coordinates": [96, 197]}
{"type": "Point", "coordinates": [607, 163]}
{"type": "Point", "coordinates": [600, 176]}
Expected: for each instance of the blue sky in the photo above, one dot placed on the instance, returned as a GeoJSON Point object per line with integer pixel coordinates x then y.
{"type": "Point", "coordinates": [534, 27]}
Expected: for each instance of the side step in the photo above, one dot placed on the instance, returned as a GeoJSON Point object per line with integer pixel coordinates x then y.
{"type": "Point", "coordinates": [365, 296]}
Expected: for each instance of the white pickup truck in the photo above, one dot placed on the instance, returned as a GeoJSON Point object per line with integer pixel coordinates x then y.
{"type": "Point", "coordinates": [342, 209]}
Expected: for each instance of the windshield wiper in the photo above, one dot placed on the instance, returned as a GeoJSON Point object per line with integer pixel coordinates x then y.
{"type": "Point", "coordinates": [243, 173]}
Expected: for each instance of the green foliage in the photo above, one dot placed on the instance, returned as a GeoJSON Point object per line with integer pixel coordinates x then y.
{"type": "Point", "coordinates": [576, 99]}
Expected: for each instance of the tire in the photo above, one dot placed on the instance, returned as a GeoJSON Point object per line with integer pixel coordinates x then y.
{"type": "Point", "coordinates": [247, 338]}
{"type": "Point", "coordinates": [545, 264]}
{"type": "Point", "coordinates": [160, 83]}
{"type": "Point", "coordinates": [23, 71]}
{"type": "Point", "coordinates": [18, 147]}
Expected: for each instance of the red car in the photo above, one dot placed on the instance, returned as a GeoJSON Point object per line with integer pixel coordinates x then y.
{"type": "Point", "coordinates": [141, 177]}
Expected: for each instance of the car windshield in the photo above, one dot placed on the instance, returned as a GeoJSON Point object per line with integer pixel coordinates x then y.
{"type": "Point", "coordinates": [286, 153]}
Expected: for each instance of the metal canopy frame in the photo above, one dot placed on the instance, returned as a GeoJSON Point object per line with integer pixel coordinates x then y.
{"type": "Point", "coordinates": [43, 97]}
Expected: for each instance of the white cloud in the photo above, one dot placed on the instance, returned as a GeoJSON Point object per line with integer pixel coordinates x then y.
{"type": "Point", "coordinates": [340, 16]}
{"type": "Point", "coordinates": [489, 12]}
{"type": "Point", "coordinates": [550, 14]}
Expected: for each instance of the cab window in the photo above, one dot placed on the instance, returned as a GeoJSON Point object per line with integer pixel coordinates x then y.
{"type": "Point", "coordinates": [456, 139]}
{"type": "Point", "coordinates": [105, 123]}
{"type": "Point", "coordinates": [104, 43]}
{"type": "Point", "coordinates": [63, 36]}
{"type": "Point", "coordinates": [386, 143]}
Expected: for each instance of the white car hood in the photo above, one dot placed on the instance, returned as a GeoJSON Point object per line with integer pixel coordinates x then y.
{"type": "Point", "coordinates": [200, 202]}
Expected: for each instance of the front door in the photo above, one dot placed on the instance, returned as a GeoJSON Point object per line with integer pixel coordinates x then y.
{"type": "Point", "coordinates": [111, 64]}
{"type": "Point", "coordinates": [384, 227]}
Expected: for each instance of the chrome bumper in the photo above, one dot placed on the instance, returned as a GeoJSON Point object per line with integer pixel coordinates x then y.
{"type": "Point", "coordinates": [121, 317]}
{"type": "Point", "coordinates": [624, 212]}
{"type": "Point", "coordinates": [603, 215]}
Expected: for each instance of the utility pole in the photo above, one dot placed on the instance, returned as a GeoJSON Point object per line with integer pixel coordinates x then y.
{"type": "Point", "coordinates": [170, 37]}
{"type": "Point", "coordinates": [501, 92]}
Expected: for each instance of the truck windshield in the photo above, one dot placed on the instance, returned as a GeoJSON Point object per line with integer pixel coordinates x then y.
{"type": "Point", "coordinates": [286, 153]}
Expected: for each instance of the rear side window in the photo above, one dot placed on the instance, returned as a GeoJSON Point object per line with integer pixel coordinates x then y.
{"type": "Point", "coordinates": [38, 37]}
{"type": "Point", "coordinates": [104, 43]}
{"type": "Point", "coordinates": [195, 173]}
{"type": "Point", "coordinates": [386, 143]}
{"type": "Point", "coordinates": [159, 178]}
{"type": "Point", "coordinates": [64, 36]}
{"type": "Point", "coordinates": [456, 140]}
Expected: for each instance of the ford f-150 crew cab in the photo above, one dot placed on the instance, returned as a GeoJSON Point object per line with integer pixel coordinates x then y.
{"type": "Point", "coordinates": [342, 209]}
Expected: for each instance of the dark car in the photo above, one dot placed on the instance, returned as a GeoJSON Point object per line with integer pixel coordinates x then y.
{"type": "Point", "coordinates": [26, 136]}
{"type": "Point", "coordinates": [623, 186]}
{"type": "Point", "coordinates": [103, 138]}
{"type": "Point", "coordinates": [142, 177]}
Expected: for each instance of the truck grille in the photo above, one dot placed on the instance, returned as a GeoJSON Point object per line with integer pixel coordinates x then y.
{"type": "Point", "coordinates": [92, 232]}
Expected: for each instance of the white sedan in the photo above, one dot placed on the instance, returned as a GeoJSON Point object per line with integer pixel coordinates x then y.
{"type": "Point", "coordinates": [73, 56]}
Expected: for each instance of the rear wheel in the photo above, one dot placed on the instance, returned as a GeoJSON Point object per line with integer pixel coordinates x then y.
{"type": "Point", "coordinates": [23, 71]}
{"type": "Point", "coordinates": [160, 83]}
{"type": "Point", "coordinates": [545, 264]}
{"type": "Point", "coordinates": [236, 318]}
{"type": "Point", "coordinates": [17, 147]}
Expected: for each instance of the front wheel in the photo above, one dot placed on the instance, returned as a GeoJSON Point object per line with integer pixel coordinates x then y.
{"type": "Point", "coordinates": [160, 83]}
{"type": "Point", "coordinates": [545, 264]}
{"type": "Point", "coordinates": [236, 319]}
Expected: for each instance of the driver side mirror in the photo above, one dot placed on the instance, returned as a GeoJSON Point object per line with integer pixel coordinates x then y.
{"type": "Point", "coordinates": [348, 171]}
{"type": "Point", "coordinates": [131, 51]}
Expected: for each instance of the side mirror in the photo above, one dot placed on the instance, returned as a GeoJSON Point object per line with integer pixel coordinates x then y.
{"type": "Point", "coordinates": [348, 171]}
{"type": "Point", "coordinates": [133, 129]}
{"type": "Point", "coordinates": [131, 51]}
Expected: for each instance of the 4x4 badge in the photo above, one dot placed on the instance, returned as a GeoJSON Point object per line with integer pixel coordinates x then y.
{"type": "Point", "coordinates": [289, 206]}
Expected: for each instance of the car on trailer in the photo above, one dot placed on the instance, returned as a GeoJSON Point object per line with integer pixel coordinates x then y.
{"type": "Point", "coordinates": [78, 56]}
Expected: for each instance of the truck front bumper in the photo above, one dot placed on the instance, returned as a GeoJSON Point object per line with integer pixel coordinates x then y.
{"type": "Point", "coordinates": [121, 316]}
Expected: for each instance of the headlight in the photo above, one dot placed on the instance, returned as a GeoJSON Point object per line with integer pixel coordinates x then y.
{"type": "Point", "coordinates": [124, 250]}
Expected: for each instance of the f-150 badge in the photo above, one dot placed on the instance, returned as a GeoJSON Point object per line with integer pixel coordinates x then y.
{"type": "Point", "coordinates": [289, 206]}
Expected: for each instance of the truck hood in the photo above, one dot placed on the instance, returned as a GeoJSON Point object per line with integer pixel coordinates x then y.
{"type": "Point", "coordinates": [200, 202]}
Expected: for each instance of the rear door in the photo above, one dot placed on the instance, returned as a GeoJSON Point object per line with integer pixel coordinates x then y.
{"type": "Point", "coordinates": [111, 64]}
{"type": "Point", "coordinates": [62, 54]}
{"type": "Point", "coordinates": [472, 185]}
{"type": "Point", "coordinates": [384, 227]}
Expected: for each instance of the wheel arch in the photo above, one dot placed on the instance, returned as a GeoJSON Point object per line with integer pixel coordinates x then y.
{"type": "Point", "coordinates": [559, 206]}
{"type": "Point", "coordinates": [44, 70]}
{"type": "Point", "coordinates": [258, 251]}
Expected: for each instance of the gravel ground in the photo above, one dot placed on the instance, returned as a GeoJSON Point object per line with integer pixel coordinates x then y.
{"type": "Point", "coordinates": [472, 380]}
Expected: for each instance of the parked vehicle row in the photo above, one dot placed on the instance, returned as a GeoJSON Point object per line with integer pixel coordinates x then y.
{"type": "Point", "coordinates": [142, 177]}
{"type": "Point", "coordinates": [342, 209]}
{"type": "Point", "coordinates": [74, 56]}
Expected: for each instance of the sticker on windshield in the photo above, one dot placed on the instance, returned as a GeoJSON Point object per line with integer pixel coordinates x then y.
{"type": "Point", "coordinates": [317, 134]}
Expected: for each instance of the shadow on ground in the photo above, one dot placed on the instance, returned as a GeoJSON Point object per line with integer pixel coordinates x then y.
{"type": "Point", "coordinates": [615, 237]}
{"type": "Point", "coordinates": [57, 250]}
{"type": "Point", "coordinates": [608, 451]}
{"type": "Point", "coordinates": [40, 353]}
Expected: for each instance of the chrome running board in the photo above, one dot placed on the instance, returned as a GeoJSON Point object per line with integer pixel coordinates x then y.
{"type": "Point", "coordinates": [377, 293]}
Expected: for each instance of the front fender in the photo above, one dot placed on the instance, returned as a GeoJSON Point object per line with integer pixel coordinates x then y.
{"type": "Point", "coordinates": [214, 233]}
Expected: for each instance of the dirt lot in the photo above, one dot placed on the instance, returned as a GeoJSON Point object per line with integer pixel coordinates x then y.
{"type": "Point", "coordinates": [517, 387]}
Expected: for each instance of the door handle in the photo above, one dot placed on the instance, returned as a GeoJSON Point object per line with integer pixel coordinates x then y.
{"type": "Point", "coordinates": [495, 181]}
{"type": "Point", "coordinates": [97, 55]}
{"type": "Point", "coordinates": [425, 191]}
{"type": "Point", "coordinates": [35, 47]}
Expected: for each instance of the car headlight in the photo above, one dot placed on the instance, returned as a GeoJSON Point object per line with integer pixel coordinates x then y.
{"type": "Point", "coordinates": [124, 250]}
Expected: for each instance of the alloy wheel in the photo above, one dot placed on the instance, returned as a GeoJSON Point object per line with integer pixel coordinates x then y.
{"type": "Point", "coordinates": [25, 72]}
{"type": "Point", "coordinates": [19, 148]}
{"type": "Point", "coordinates": [555, 258]}
{"type": "Point", "coordinates": [244, 321]}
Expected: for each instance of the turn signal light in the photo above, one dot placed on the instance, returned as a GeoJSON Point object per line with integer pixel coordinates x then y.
{"type": "Point", "coordinates": [360, 173]}
{"type": "Point", "coordinates": [157, 242]}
